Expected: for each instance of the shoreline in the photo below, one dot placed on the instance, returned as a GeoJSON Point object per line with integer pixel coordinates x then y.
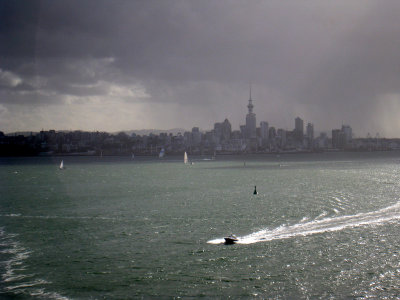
{"type": "Point", "coordinates": [225, 154]}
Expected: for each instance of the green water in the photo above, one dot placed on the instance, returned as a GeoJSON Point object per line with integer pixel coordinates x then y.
{"type": "Point", "coordinates": [322, 226]}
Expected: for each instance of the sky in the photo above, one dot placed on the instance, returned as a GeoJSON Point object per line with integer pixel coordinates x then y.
{"type": "Point", "coordinates": [125, 65]}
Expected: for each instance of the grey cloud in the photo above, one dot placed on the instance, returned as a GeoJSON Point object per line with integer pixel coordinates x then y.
{"type": "Point", "coordinates": [18, 27]}
{"type": "Point", "coordinates": [9, 79]}
{"type": "Point", "coordinates": [329, 61]}
{"type": "Point", "coordinates": [358, 70]}
{"type": "Point", "coordinates": [57, 78]}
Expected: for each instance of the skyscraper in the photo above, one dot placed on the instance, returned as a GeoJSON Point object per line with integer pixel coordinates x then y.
{"type": "Point", "coordinates": [264, 130]}
{"type": "Point", "coordinates": [348, 133]}
{"type": "Point", "coordinates": [226, 130]}
{"type": "Point", "coordinates": [250, 120]}
{"type": "Point", "coordinates": [310, 131]}
{"type": "Point", "coordinates": [196, 136]}
{"type": "Point", "coordinates": [298, 129]}
{"type": "Point", "coordinates": [337, 139]}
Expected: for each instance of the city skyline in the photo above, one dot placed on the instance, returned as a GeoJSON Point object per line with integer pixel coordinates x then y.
{"type": "Point", "coordinates": [222, 139]}
{"type": "Point", "coordinates": [131, 65]}
{"type": "Point", "coordinates": [248, 130]}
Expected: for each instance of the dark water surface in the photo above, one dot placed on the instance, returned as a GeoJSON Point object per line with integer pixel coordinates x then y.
{"type": "Point", "coordinates": [322, 226]}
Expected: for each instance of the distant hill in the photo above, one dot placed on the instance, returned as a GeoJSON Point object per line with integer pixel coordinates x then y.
{"type": "Point", "coordinates": [24, 133]}
{"type": "Point", "coordinates": [174, 131]}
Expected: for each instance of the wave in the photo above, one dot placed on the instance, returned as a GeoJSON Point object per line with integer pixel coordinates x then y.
{"type": "Point", "coordinates": [320, 226]}
{"type": "Point", "coordinates": [14, 257]}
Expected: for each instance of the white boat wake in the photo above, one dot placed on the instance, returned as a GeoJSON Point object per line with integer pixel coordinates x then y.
{"type": "Point", "coordinates": [319, 226]}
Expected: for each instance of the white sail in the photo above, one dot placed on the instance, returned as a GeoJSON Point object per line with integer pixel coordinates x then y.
{"type": "Point", "coordinates": [162, 153]}
{"type": "Point", "coordinates": [185, 158]}
{"type": "Point", "coordinates": [62, 165]}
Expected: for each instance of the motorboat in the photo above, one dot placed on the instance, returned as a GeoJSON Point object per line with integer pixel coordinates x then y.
{"type": "Point", "coordinates": [231, 239]}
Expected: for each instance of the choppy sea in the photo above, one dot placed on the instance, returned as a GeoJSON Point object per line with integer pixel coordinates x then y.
{"type": "Point", "coordinates": [323, 226]}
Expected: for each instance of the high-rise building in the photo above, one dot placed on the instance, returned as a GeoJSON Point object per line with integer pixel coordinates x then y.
{"type": "Point", "coordinates": [310, 131]}
{"type": "Point", "coordinates": [250, 120]}
{"type": "Point", "coordinates": [281, 133]}
{"type": "Point", "coordinates": [272, 132]}
{"type": "Point", "coordinates": [218, 130]}
{"type": "Point", "coordinates": [348, 133]}
{"type": "Point", "coordinates": [337, 139]}
{"type": "Point", "coordinates": [272, 137]}
{"type": "Point", "coordinates": [298, 129]}
{"type": "Point", "coordinates": [226, 130]}
{"type": "Point", "coordinates": [342, 138]}
{"type": "Point", "coordinates": [299, 125]}
{"type": "Point", "coordinates": [196, 136]}
{"type": "Point", "coordinates": [264, 130]}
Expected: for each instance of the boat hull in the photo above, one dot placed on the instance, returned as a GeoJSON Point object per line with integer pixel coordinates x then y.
{"type": "Point", "coordinates": [230, 240]}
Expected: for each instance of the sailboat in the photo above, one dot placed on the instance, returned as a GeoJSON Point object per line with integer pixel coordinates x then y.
{"type": "Point", "coordinates": [185, 158]}
{"type": "Point", "coordinates": [62, 165]}
{"type": "Point", "coordinates": [162, 153]}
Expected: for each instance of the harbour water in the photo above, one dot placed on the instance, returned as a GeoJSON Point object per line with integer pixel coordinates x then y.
{"type": "Point", "coordinates": [322, 226]}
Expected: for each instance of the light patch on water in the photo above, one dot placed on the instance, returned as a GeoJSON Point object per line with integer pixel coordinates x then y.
{"type": "Point", "coordinates": [27, 284]}
{"type": "Point", "coordinates": [305, 219]}
{"type": "Point", "coordinates": [41, 293]}
{"type": "Point", "coordinates": [322, 215]}
{"type": "Point", "coordinates": [319, 226]}
{"type": "Point", "coordinates": [58, 217]}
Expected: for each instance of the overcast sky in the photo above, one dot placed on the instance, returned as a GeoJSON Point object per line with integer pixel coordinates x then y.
{"type": "Point", "coordinates": [121, 65]}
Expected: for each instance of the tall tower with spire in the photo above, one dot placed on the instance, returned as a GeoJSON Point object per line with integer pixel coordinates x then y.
{"type": "Point", "coordinates": [250, 120]}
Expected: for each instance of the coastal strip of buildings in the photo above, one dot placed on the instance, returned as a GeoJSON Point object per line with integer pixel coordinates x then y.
{"type": "Point", "coordinates": [220, 140]}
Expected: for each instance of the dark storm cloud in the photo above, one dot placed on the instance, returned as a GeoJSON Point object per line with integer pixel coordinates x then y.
{"type": "Point", "coordinates": [32, 29]}
{"type": "Point", "coordinates": [18, 27]}
{"type": "Point", "coordinates": [55, 48]}
{"type": "Point", "coordinates": [174, 40]}
{"type": "Point", "coordinates": [329, 62]}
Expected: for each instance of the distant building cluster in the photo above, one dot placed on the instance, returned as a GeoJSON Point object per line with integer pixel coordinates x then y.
{"type": "Point", "coordinates": [266, 138]}
{"type": "Point", "coordinates": [221, 139]}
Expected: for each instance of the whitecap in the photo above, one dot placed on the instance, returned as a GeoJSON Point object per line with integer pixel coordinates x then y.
{"type": "Point", "coordinates": [16, 282]}
{"type": "Point", "coordinates": [329, 224]}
